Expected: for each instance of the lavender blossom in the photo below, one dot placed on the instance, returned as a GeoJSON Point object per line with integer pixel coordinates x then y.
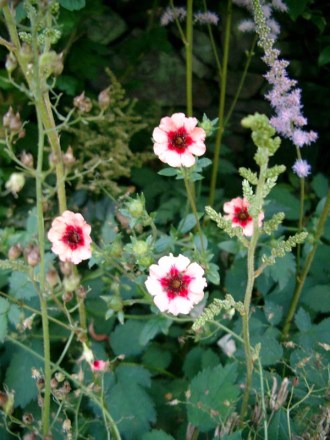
{"type": "Point", "coordinates": [248, 25]}
{"type": "Point", "coordinates": [284, 97]}
{"type": "Point", "coordinates": [301, 168]}
{"type": "Point", "coordinates": [206, 18]}
{"type": "Point", "coordinates": [172, 14]}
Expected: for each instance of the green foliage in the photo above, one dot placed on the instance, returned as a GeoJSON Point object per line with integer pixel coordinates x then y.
{"type": "Point", "coordinates": [212, 396]}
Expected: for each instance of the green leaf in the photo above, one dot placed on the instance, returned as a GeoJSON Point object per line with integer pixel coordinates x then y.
{"type": "Point", "coordinates": [315, 334]}
{"type": "Point", "coordinates": [324, 57]}
{"type": "Point", "coordinates": [126, 338]}
{"type": "Point", "coordinates": [156, 357]}
{"type": "Point", "coordinates": [129, 403]}
{"type": "Point", "coordinates": [73, 5]}
{"type": "Point", "coordinates": [271, 350]}
{"type": "Point", "coordinates": [4, 307]}
{"type": "Point", "coordinates": [273, 312]}
{"type": "Point", "coordinates": [213, 393]}
{"type": "Point", "coordinates": [234, 436]}
{"type": "Point", "coordinates": [18, 375]}
{"type": "Point", "coordinates": [197, 359]}
{"type": "Point", "coordinates": [230, 246]}
{"type": "Point", "coordinates": [278, 427]}
{"type": "Point", "coordinates": [318, 298]}
{"type": "Point", "coordinates": [303, 320]}
{"type": "Point", "coordinates": [187, 224]}
{"type": "Point", "coordinates": [320, 185]}
{"type": "Point", "coordinates": [213, 274]}
{"type": "Point", "coordinates": [282, 200]}
{"type": "Point", "coordinates": [169, 172]}
{"type": "Point", "coordinates": [282, 271]}
{"type": "Point", "coordinates": [20, 286]}
{"type": "Point", "coordinates": [105, 28]}
{"type": "Point", "coordinates": [157, 435]}
{"type": "Point", "coordinates": [297, 7]}
{"type": "Point", "coordinates": [153, 327]}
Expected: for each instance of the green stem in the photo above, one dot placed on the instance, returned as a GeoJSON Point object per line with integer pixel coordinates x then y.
{"type": "Point", "coordinates": [249, 290]}
{"type": "Point", "coordinates": [79, 385]}
{"type": "Point", "coordinates": [222, 102]}
{"type": "Point", "coordinates": [189, 47]}
{"type": "Point", "coordinates": [263, 405]}
{"type": "Point", "coordinates": [213, 45]}
{"type": "Point", "coordinates": [306, 268]}
{"type": "Point", "coordinates": [301, 216]}
{"type": "Point", "coordinates": [194, 209]}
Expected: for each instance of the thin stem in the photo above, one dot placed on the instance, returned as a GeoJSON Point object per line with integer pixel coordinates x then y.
{"type": "Point", "coordinates": [263, 405]}
{"type": "Point", "coordinates": [306, 268]}
{"type": "Point", "coordinates": [213, 45]}
{"type": "Point", "coordinates": [301, 216]}
{"type": "Point", "coordinates": [194, 209]}
{"type": "Point", "coordinates": [85, 390]}
{"type": "Point", "coordinates": [189, 47]}
{"type": "Point", "coordinates": [228, 330]}
{"type": "Point", "coordinates": [222, 101]}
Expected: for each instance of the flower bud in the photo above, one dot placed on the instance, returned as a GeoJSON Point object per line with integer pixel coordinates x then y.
{"type": "Point", "coordinates": [116, 249]}
{"type": "Point", "coordinates": [66, 425]}
{"type": "Point", "coordinates": [30, 436]}
{"type": "Point", "coordinates": [33, 256]}
{"type": "Point", "coordinates": [53, 383]}
{"type": "Point", "coordinates": [14, 252]}
{"type": "Point", "coordinates": [51, 63]}
{"type": "Point", "coordinates": [82, 103]}
{"type": "Point", "coordinates": [66, 268]}
{"type": "Point", "coordinates": [7, 117]}
{"type": "Point", "coordinates": [68, 157]}
{"type": "Point", "coordinates": [146, 260]}
{"type": "Point", "coordinates": [11, 62]}
{"type": "Point", "coordinates": [59, 376]}
{"type": "Point", "coordinates": [135, 208]}
{"type": "Point", "coordinates": [81, 292]}
{"type": "Point", "coordinates": [52, 277]}
{"type": "Point", "coordinates": [15, 123]}
{"type": "Point", "coordinates": [15, 183]}
{"type": "Point", "coordinates": [104, 98]}
{"type": "Point", "coordinates": [67, 297]}
{"type": "Point", "coordinates": [26, 52]}
{"type": "Point", "coordinates": [71, 282]}
{"type": "Point", "coordinates": [27, 159]}
{"type": "Point", "coordinates": [140, 247]}
{"type": "Point", "coordinates": [27, 418]}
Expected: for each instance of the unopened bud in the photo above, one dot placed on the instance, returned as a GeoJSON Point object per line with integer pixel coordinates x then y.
{"type": "Point", "coordinates": [15, 123]}
{"type": "Point", "coordinates": [27, 418]}
{"type": "Point", "coordinates": [33, 257]}
{"type": "Point", "coordinates": [81, 292]}
{"type": "Point", "coordinates": [83, 103]}
{"type": "Point", "coordinates": [15, 183]}
{"type": "Point", "coordinates": [68, 157]}
{"type": "Point", "coordinates": [26, 52]}
{"type": "Point", "coordinates": [116, 249]}
{"type": "Point", "coordinates": [71, 282]}
{"type": "Point", "coordinates": [30, 436]}
{"type": "Point", "coordinates": [7, 117]}
{"type": "Point", "coordinates": [11, 62]}
{"type": "Point", "coordinates": [66, 267]}
{"type": "Point", "coordinates": [140, 247]}
{"type": "Point", "coordinates": [135, 208]}
{"type": "Point", "coordinates": [53, 383]}
{"type": "Point", "coordinates": [67, 297]}
{"type": "Point", "coordinates": [52, 277]}
{"type": "Point", "coordinates": [51, 63]}
{"type": "Point", "coordinates": [59, 376]}
{"type": "Point", "coordinates": [66, 387]}
{"type": "Point", "coordinates": [146, 260]}
{"type": "Point", "coordinates": [104, 99]}
{"type": "Point", "coordinates": [66, 425]}
{"type": "Point", "coordinates": [27, 159]}
{"type": "Point", "coordinates": [14, 252]}
{"type": "Point", "coordinates": [40, 383]}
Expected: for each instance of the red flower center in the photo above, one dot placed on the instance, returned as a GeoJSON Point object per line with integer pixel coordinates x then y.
{"type": "Point", "coordinates": [175, 283]}
{"type": "Point", "coordinates": [179, 140]}
{"type": "Point", "coordinates": [242, 216]}
{"type": "Point", "coordinates": [73, 237]}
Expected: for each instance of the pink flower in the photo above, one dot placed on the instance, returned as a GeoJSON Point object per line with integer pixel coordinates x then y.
{"type": "Point", "coordinates": [237, 210]}
{"type": "Point", "coordinates": [70, 235]}
{"type": "Point", "coordinates": [177, 140]}
{"type": "Point", "coordinates": [99, 365]}
{"type": "Point", "coordinates": [176, 284]}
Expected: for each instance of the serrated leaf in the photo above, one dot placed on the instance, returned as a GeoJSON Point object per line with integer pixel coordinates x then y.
{"type": "Point", "coordinates": [273, 312]}
{"type": "Point", "coordinates": [303, 320]}
{"type": "Point", "coordinates": [18, 375]}
{"type": "Point", "coordinates": [157, 435]}
{"type": "Point", "coordinates": [282, 271]}
{"type": "Point", "coordinates": [318, 298]}
{"type": "Point", "coordinates": [128, 402]}
{"type": "Point", "coordinates": [320, 185]}
{"type": "Point", "coordinates": [315, 334]}
{"type": "Point", "coordinates": [153, 327]}
{"type": "Point", "coordinates": [72, 5]}
{"type": "Point", "coordinates": [126, 338]}
{"type": "Point", "coordinates": [20, 286]}
{"type": "Point", "coordinates": [197, 359]}
{"type": "Point", "coordinates": [213, 393]}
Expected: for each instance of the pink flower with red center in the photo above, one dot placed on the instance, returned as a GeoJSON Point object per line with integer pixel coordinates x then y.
{"type": "Point", "coordinates": [177, 140]}
{"type": "Point", "coordinates": [99, 365]}
{"type": "Point", "coordinates": [176, 284]}
{"type": "Point", "coordinates": [237, 210]}
{"type": "Point", "coordinates": [70, 236]}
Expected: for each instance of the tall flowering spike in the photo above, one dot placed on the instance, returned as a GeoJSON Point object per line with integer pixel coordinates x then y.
{"type": "Point", "coordinates": [237, 212]}
{"type": "Point", "coordinates": [283, 96]}
{"type": "Point", "coordinates": [70, 236]}
{"type": "Point", "coordinates": [176, 284]}
{"type": "Point", "coordinates": [302, 168]}
{"type": "Point", "coordinates": [178, 140]}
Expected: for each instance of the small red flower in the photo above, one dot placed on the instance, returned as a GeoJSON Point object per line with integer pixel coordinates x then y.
{"type": "Point", "coordinates": [70, 236]}
{"type": "Point", "coordinates": [177, 140]}
{"type": "Point", "coordinates": [99, 365]}
{"type": "Point", "coordinates": [176, 284]}
{"type": "Point", "coordinates": [237, 210]}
